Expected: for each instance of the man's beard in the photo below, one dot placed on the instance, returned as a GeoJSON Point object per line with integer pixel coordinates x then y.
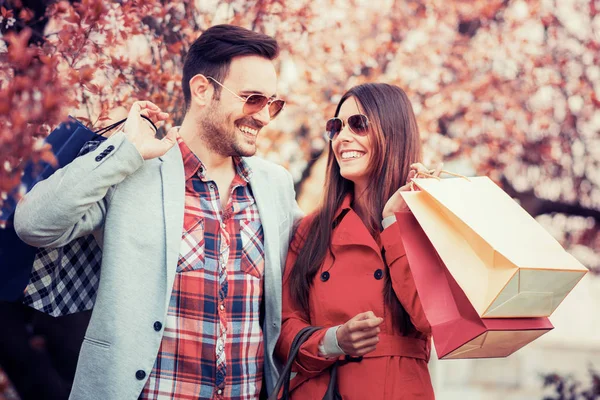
{"type": "Point", "coordinates": [219, 134]}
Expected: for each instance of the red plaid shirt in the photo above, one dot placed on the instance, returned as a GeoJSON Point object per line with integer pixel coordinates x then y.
{"type": "Point", "coordinates": [212, 346]}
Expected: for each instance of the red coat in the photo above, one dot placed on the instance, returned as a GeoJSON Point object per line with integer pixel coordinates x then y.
{"type": "Point", "coordinates": [352, 284]}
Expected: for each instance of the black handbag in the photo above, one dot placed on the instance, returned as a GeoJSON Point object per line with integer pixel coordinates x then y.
{"type": "Point", "coordinates": [332, 392]}
{"type": "Point", "coordinates": [17, 257]}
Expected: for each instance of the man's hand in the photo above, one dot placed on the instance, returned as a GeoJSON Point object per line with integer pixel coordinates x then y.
{"type": "Point", "coordinates": [360, 334]}
{"type": "Point", "coordinates": [141, 133]}
{"type": "Point", "coordinates": [396, 203]}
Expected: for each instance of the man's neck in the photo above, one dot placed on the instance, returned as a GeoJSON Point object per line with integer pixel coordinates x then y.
{"type": "Point", "coordinates": [192, 136]}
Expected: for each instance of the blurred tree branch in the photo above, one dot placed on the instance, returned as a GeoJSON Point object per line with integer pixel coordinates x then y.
{"type": "Point", "coordinates": [536, 206]}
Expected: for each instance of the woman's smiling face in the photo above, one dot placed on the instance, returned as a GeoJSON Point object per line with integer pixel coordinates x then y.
{"type": "Point", "coordinates": [352, 152]}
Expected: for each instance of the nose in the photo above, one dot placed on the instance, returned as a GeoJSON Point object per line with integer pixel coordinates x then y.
{"type": "Point", "coordinates": [263, 116]}
{"type": "Point", "coordinates": [345, 134]}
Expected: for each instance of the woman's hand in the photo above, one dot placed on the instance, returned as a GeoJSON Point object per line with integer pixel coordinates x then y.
{"type": "Point", "coordinates": [141, 133]}
{"type": "Point", "coordinates": [360, 334]}
{"type": "Point", "coordinates": [396, 203]}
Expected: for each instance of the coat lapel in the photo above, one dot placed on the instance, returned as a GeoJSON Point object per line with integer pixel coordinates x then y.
{"type": "Point", "coordinates": [352, 232]}
{"type": "Point", "coordinates": [261, 194]}
{"type": "Point", "coordinates": [259, 183]}
{"type": "Point", "coordinates": [173, 186]}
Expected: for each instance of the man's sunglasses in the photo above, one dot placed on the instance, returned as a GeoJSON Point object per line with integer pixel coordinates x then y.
{"type": "Point", "coordinates": [358, 124]}
{"type": "Point", "coordinates": [255, 102]}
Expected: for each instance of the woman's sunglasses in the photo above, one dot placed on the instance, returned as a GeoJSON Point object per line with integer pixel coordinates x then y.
{"type": "Point", "coordinates": [255, 102]}
{"type": "Point", "coordinates": [358, 124]}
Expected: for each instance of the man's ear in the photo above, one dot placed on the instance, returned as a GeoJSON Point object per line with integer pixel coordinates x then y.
{"type": "Point", "coordinates": [201, 90]}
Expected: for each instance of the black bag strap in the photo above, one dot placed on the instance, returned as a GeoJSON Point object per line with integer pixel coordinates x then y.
{"type": "Point", "coordinates": [332, 392]}
{"type": "Point", "coordinates": [284, 378]}
{"type": "Point", "coordinates": [109, 128]}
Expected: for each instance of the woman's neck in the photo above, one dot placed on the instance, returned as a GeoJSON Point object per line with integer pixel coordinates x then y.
{"type": "Point", "coordinates": [360, 205]}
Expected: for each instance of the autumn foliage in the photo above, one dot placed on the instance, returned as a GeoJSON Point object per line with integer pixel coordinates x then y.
{"type": "Point", "coordinates": [508, 89]}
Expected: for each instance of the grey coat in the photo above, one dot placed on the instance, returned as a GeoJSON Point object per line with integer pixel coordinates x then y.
{"type": "Point", "coordinates": [135, 209]}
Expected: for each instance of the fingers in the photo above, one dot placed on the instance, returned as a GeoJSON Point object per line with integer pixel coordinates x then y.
{"type": "Point", "coordinates": [363, 316]}
{"type": "Point", "coordinates": [438, 169]}
{"type": "Point", "coordinates": [357, 343]}
{"type": "Point", "coordinates": [146, 121]}
{"type": "Point", "coordinates": [419, 168]}
{"type": "Point", "coordinates": [170, 139]}
{"type": "Point", "coordinates": [155, 116]}
{"type": "Point", "coordinates": [144, 104]}
{"type": "Point", "coordinates": [171, 136]}
{"type": "Point", "coordinates": [364, 351]}
{"type": "Point", "coordinates": [405, 188]}
{"type": "Point", "coordinates": [364, 320]}
{"type": "Point", "coordinates": [360, 349]}
{"type": "Point", "coordinates": [148, 109]}
{"type": "Point", "coordinates": [365, 325]}
{"type": "Point", "coordinates": [359, 336]}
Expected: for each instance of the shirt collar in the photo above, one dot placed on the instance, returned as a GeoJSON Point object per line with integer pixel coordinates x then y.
{"type": "Point", "coordinates": [242, 168]}
{"type": "Point", "coordinates": [191, 163]}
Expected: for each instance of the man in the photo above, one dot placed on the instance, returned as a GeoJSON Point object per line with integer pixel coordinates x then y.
{"type": "Point", "coordinates": [194, 234]}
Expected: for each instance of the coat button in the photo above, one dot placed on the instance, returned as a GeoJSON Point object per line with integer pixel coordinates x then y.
{"type": "Point", "coordinates": [140, 375]}
{"type": "Point", "coordinates": [157, 326]}
{"type": "Point", "coordinates": [378, 274]}
{"type": "Point", "coordinates": [110, 148]}
{"type": "Point", "coordinates": [325, 276]}
{"type": "Point", "coordinates": [99, 158]}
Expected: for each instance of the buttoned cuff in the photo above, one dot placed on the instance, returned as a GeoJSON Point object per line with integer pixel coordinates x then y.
{"type": "Point", "coordinates": [392, 243]}
{"type": "Point", "coordinates": [329, 347]}
{"type": "Point", "coordinates": [388, 221]}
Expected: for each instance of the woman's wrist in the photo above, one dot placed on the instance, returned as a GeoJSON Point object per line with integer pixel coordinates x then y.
{"type": "Point", "coordinates": [329, 347]}
{"type": "Point", "coordinates": [388, 221]}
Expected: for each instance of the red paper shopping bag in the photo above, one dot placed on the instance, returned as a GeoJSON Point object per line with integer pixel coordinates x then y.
{"type": "Point", "coordinates": [457, 329]}
{"type": "Point", "coordinates": [506, 263]}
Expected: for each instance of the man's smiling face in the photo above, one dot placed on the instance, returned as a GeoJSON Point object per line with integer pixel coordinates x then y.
{"type": "Point", "coordinates": [229, 131]}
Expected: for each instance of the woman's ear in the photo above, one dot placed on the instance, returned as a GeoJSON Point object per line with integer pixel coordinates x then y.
{"type": "Point", "coordinates": [201, 90]}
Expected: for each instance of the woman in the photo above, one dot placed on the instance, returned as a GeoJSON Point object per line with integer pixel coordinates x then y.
{"type": "Point", "coordinates": [347, 274]}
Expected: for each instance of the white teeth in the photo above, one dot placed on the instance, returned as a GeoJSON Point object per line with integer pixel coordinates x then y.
{"type": "Point", "coordinates": [351, 154]}
{"type": "Point", "coordinates": [251, 131]}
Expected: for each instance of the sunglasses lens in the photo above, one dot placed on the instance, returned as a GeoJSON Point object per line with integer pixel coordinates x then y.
{"type": "Point", "coordinates": [275, 108]}
{"type": "Point", "coordinates": [255, 103]}
{"type": "Point", "coordinates": [333, 127]}
{"type": "Point", "coordinates": [359, 124]}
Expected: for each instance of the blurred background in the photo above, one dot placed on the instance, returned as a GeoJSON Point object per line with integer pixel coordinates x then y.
{"type": "Point", "coordinates": [504, 88]}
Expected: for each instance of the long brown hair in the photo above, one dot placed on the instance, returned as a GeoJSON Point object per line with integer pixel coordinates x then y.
{"type": "Point", "coordinates": [395, 146]}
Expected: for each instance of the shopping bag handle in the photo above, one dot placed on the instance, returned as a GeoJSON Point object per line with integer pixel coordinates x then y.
{"type": "Point", "coordinates": [429, 174]}
{"type": "Point", "coordinates": [109, 128]}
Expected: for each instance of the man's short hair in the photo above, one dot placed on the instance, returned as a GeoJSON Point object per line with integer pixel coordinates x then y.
{"type": "Point", "coordinates": [212, 52]}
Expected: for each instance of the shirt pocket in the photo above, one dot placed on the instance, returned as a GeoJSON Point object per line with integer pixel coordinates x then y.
{"type": "Point", "coordinates": [252, 253]}
{"type": "Point", "coordinates": [191, 252]}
